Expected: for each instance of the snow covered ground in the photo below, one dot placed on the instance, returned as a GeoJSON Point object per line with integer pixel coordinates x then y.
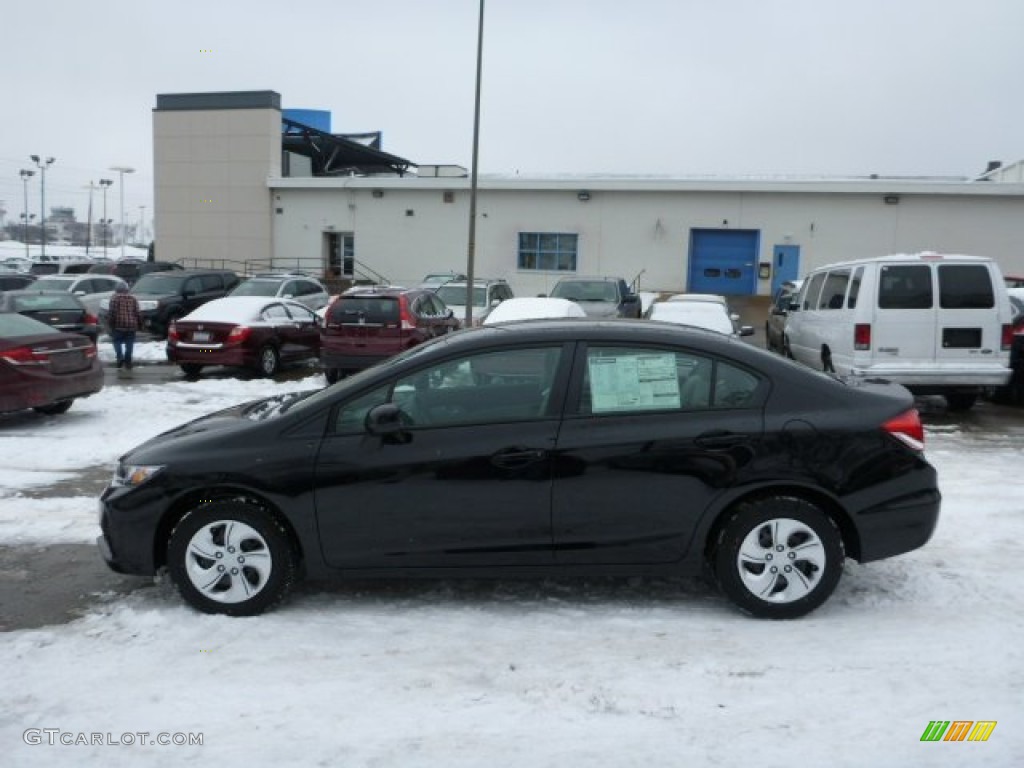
{"type": "Point", "coordinates": [453, 674]}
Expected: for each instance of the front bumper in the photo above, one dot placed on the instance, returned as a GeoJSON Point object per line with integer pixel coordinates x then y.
{"type": "Point", "coordinates": [129, 520]}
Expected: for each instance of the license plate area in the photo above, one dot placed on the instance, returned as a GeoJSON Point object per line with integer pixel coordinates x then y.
{"type": "Point", "coordinates": [68, 362]}
{"type": "Point", "coordinates": [202, 337]}
{"type": "Point", "coordinates": [961, 338]}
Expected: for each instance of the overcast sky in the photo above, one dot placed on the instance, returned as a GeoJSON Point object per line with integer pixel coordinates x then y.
{"type": "Point", "coordinates": [674, 87]}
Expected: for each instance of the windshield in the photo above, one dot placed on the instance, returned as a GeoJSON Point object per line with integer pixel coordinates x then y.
{"type": "Point", "coordinates": [158, 283]}
{"type": "Point", "coordinates": [256, 288]}
{"type": "Point", "coordinates": [455, 295]}
{"type": "Point", "coordinates": [586, 290]}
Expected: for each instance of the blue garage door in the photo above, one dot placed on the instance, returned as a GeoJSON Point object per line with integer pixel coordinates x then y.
{"type": "Point", "coordinates": [723, 261]}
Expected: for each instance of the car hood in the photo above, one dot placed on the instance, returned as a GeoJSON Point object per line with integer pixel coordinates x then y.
{"type": "Point", "coordinates": [599, 308]}
{"type": "Point", "coordinates": [238, 418]}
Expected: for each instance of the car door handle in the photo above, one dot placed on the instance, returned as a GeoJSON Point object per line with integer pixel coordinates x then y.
{"type": "Point", "coordinates": [720, 438]}
{"type": "Point", "coordinates": [514, 458]}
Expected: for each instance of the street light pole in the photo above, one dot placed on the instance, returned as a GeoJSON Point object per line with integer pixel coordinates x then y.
{"type": "Point", "coordinates": [42, 165]}
{"type": "Point", "coordinates": [122, 170]}
{"type": "Point", "coordinates": [105, 184]}
{"type": "Point", "coordinates": [25, 176]}
{"type": "Point", "coordinates": [471, 248]}
{"type": "Point", "coordinates": [140, 236]}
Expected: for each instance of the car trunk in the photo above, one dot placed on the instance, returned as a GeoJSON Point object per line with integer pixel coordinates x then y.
{"type": "Point", "coordinates": [365, 325]}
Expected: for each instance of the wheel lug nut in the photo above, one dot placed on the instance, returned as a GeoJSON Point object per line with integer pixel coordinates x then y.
{"type": "Point", "coordinates": [234, 571]}
{"type": "Point", "coordinates": [779, 548]}
{"type": "Point", "coordinates": [241, 559]}
{"type": "Point", "coordinates": [789, 568]}
{"type": "Point", "coordinates": [774, 569]}
{"type": "Point", "coordinates": [220, 568]}
{"type": "Point", "coordinates": [768, 556]}
{"type": "Point", "coordinates": [792, 555]}
{"type": "Point", "coordinates": [231, 550]}
{"type": "Point", "coordinates": [220, 554]}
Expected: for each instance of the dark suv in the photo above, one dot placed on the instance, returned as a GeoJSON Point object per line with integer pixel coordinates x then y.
{"type": "Point", "coordinates": [365, 326]}
{"type": "Point", "coordinates": [165, 296]}
{"type": "Point", "coordinates": [131, 270]}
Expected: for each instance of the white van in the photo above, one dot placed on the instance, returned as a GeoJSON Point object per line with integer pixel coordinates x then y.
{"type": "Point", "coordinates": [938, 324]}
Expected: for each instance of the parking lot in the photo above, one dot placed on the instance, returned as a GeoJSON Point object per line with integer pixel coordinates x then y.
{"type": "Point", "coordinates": [624, 672]}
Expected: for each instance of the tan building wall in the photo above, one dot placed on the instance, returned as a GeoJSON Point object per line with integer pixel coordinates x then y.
{"type": "Point", "coordinates": [213, 154]}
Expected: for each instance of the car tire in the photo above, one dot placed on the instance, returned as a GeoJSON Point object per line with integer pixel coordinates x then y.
{"type": "Point", "coordinates": [191, 370]}
{"type": "Point", "coordinates": [332, 375]}
{"type": "Point", "coordinates": [269, 361]}
{"type": "Point", "coordinates": [960, 401]}
{"type": "Point", "coordinates": [762, 531]}
{"type": "Point", "coordinates": [232, 558]}
{"type": "Point", "coordinates": [54, 409]}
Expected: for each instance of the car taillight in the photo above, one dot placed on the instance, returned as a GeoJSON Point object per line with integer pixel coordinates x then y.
{"type": "Point", "coordinates": [405, 318]}
{"type": "Point", "coordinates": [1007, 337]}
{"type": "Point", "coordinates": [907, 428]}
{"type": "Point", "coordinates": [25, 356]}
{"type": "Point", "coordinates": [90, 319]}
{"type": "Point", "coordinates": [862, 336]}
{"type": "Point", "coordinates": [173, 337]}
{"type": "Point", "coordinates": [239, 334]}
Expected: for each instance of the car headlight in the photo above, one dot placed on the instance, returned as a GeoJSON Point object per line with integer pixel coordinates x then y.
{"type": "Point", "coordinates": [134, 475]}
{"type": "Point", "coordinates": [148, 304]}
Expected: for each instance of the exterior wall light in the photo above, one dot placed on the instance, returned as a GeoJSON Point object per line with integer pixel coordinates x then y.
{"type": "Point", "coordinates": [583, 195]}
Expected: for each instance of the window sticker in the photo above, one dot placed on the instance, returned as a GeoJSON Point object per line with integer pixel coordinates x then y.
{"type": "Point", "coordinates": [633, 383]}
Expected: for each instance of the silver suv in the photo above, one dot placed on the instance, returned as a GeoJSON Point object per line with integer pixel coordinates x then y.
{"type": "Point", "coordinates": [301, 288]}
{"type": "Point", "coordinates": [487, 294]}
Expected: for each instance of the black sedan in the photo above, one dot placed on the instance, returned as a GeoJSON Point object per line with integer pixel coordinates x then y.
{"type": "Point", "coordinates": [42, 368]}
{"type": "Point", "coordinates": [58, 309]}
{"type": "Point", "coordinates": [546, 447]}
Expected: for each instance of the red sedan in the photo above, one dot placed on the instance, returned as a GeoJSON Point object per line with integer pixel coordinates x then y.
{"type": "Point", "coordinates": [42, 368]}
{"type": "Point", "coordinates": [246, 332]}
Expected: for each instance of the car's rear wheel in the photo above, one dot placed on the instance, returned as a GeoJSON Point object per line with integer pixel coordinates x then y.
{"type": "Point", "coordinates": [778, 557]}
{"type": "Point", "coordinates": [231, 557]}
{"type": "Point", "coordinates": [269, 361]}
{"type": "Point", "coordinates": [54, 409]}
{"type": "Point", "coordinates": [960, 401]}
{"type": "Point", "coordinates": [191, 370]}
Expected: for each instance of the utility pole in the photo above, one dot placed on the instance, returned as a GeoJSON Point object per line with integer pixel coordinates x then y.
{"type": "Point", "coordinates": [25, 176]}
{"type": "Point", "coordinates": [42, 165]}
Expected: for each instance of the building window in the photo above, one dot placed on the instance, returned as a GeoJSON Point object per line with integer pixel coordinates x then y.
{"type": "Point", "coordinates": [550, 251]}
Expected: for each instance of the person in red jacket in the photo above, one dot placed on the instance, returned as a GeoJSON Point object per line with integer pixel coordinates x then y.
{"type": "Point", "coordinates": [125, 319]}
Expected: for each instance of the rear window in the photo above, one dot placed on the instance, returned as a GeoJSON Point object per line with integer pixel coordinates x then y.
{"type": "Point", "coordinates": [965, 286]}
{"type": "Point", "coordinates": [13, 326]}
{"type": "Point", "coordinates": [365, 309]}
{"type": "Point", "coordinates": [46, 301]}
{"type": "Point", "coordinates": [256, 288]}
{"type": "Point", "coordinates": [158, 282]}
{"type": "Point", "coordinates": [905, 287]}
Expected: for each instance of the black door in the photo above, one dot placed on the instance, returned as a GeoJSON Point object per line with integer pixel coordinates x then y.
{"type": "Point", "coordinates": [468, 483]}
{"type": "Point", "coordinates": [655, 437]}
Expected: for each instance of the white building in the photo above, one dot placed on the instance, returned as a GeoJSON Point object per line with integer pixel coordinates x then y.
{"type": "Point", "coordinates": [222, 199]}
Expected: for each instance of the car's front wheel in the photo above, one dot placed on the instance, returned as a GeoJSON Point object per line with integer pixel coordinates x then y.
{"type": "Point", "coordinates": [778, 557]}
{"type": "Point", "coordinates": [231, 557]}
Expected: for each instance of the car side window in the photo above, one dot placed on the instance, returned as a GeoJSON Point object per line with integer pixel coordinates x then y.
{"type": "Point", "coordinates": [813, 290]}
{"type": "Point", "coordinates": [301, 314]}
{"type": "Point", "coordinates": [485, 388]}
{"type": "Point", "coordinates": [620, 380]}
{"type": "Point", "coordinates": [211, 283]}
{"type": "Point", "coordinates": [833, 294]}
{"type": "Point", "coordinates": [351, 416]}
{"type": "Point", "coordinates": [275, 313]}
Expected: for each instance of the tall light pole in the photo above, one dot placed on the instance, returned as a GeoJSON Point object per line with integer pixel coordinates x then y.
{"type": "Point", "coordinates": [471, 248]}
{"type": "Point", "coordinates": [105, 184]}
{"type": "Point", "coordinates": [42, 165]}
{"type": "Point", "coordinates": [140, 236]}
{"type": "Point", "coordinates": [88, 229]}
{"type": "Point", "coordinates": [25, 176]}
{"type": "Point", "coordinates": [122, 170]}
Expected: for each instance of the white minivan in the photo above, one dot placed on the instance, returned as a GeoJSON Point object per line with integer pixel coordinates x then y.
{"type": "Point", "coordinates": [938, 324]}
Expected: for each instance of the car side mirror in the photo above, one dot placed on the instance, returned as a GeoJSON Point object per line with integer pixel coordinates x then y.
{"type": "Point", "coordinates": [495, 302]}
{"type": "Point", "coordinates": [187, 294]}
{"type": "Point", "coordinates": [746, 330]}
{"type": "Point", "coordinates": [794, 307]}
{"type": "Point", "coordinates": [288, 296]}
{"type": "Point", "coordinates": [542, 295]}
{"type": "Point", "coordinates": [79, 293]}
{"type": "Point", "coordinates": [386, 420]}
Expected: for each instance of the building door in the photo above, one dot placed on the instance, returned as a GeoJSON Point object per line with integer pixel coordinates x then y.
{"type": "Point", "coordinates": [785, 265]}
{"type": "Point", "coordinates": [723, 261]}
{"type": "Point", "coordinates": [340, 251]}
